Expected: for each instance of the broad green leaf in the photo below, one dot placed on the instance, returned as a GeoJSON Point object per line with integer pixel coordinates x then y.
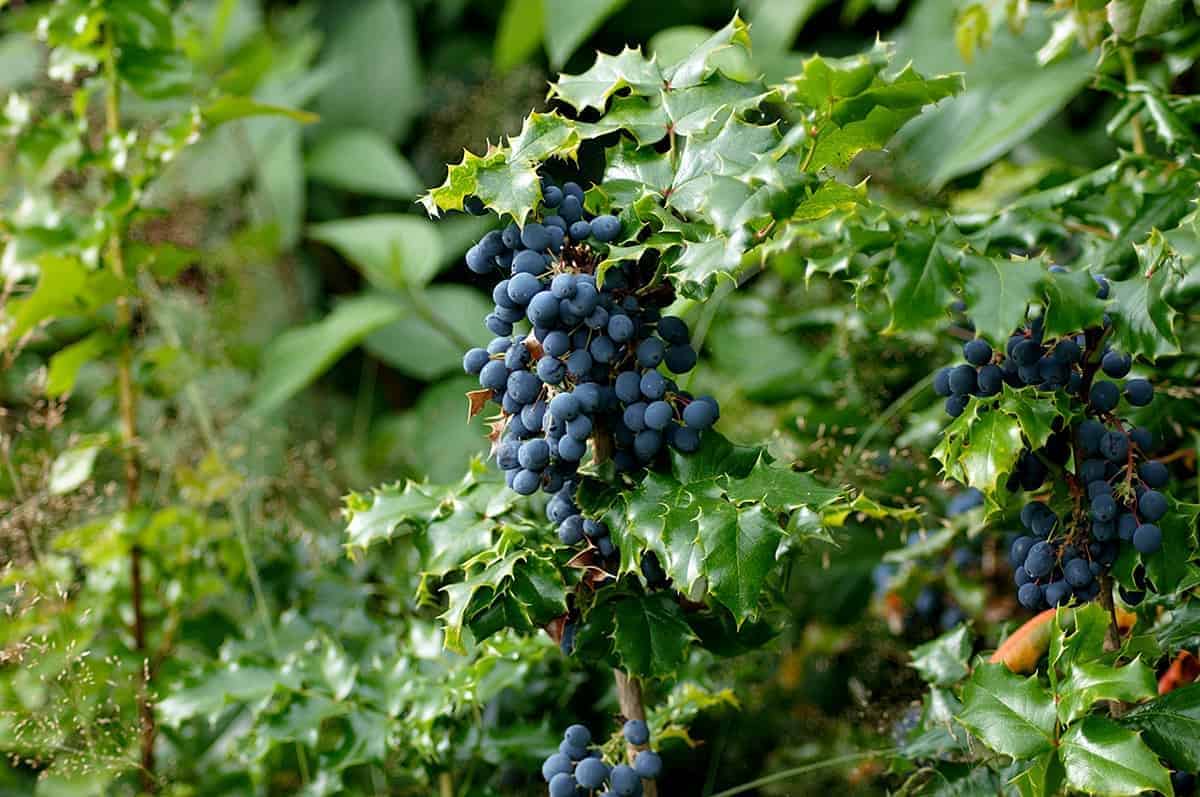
{"type": "Point", "coordinates": [231, 684]}
{"type": "Point", "coordinates": [1011, 715]}
{"type": "Point", "coordinates": [434, 437]}
{"type": "Point", "coordinates": [650, 635]}
{"type": "Point", "coordinates": [782, 489]}
{"type": "Point", "coordinates": [280, 181]}
{"type": "Point", "coordinates": [739, 553]}
{"type": "Point", "coordinates": [1073, 305]}
{"type": "Point", "coordinates": [519, 33]}
{"type": "Point", "coordinates": [65, 288]}
{"type": "Point", "coordinates": [1089, 682]}
{"type": "Point", "coordinates": [568, 23]}
{"type": "Point", "coordinates": [944, 661]}
{"type": "Point", "coordinates": [297, 357]}
{"type": "Point", "coordinates": [1009, 94]}
{"type": "Point", "coordinates": [362, 161]}
{"type": "Point", "coordinates": [339, 671]}
{"type": "Point", "coordinates": [1170, 725]}
{"type": "Point", "coordinates": [999, 292]}
{"type": "Point", "coordinates": [1179, 628]}
{"type": "Point", "coordinates": [485, 575]}
{"type": "Point", "coordinates": [433, 330]}
{"type": "Point", "coordinates": [1101, 757]}
{"type": "Point", "coordinates": [1042, 778]}
{"type": "Point", "coordinates": [1144, 323]}
{"type": "Point", "coordinates": [375, 54]}
{"type": "Point", "coordinates": [393, 251]}
{"type": "Point", "coordinates": [775, 23]}
{"type": "Point", "coordinates": [1133, 19]}
{"type": "Point", "coordinates": [66, 362]}
{"type": "Point", "coordinates": [73, 466]}
{"type": "Point", "coordinates": [921, 280]}
{"type": "Point", "coordinates": [228, 108]}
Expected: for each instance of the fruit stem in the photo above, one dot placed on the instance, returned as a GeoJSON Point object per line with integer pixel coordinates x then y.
{"type": "Point", "coordinates": [629, 697]}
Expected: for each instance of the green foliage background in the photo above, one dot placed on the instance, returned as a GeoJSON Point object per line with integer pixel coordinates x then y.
{"type": "Point", "coordinates": [297, 329]}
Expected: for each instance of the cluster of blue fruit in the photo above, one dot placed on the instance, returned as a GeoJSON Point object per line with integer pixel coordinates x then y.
{"type": "Point", "coordinates": [579, 768]}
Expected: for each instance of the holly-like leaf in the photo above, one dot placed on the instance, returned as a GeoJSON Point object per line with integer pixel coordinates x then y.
{"type": "Point", "coordinates": [1011, 715]}
{"type": "Point", "coordinates": [943, 661]}
{"type": "Point", "coordinates": [1101, 757]}
{"type": "Point", "coordinates": [980, 448]}
{"type": "Point", "coordinates": [1170, 566]}
{"type": "Point", "coordinates": [628, 69]}
{"type": "Point", "coordinates": [505, 178]}
{"type": "Point", "coordinates": [1170, 725]}
{"type": "Point", "coordinates": [715, 520]}
{"type": "Point", "coordinates": [1035, 411]}
{"type": "Point", "coordinates": [1090, 682]}
{"type": "Point", "coordinates": [65, 288]}
{"type": "Point", "coordinates": [921, 280]}
{"type": "Point", "coordinates": [1072, 303]}
{"type": "Point", "coordinates": [1144, 323]}
{"type": "Point", "coordinates": [998, 293]}
{"type": "Point", "coordinates": [650, 635]}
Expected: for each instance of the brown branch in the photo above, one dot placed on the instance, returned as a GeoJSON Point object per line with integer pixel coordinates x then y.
{"type": "Point", "coordinates": [629, 696]}
{"type": "Point", "coordinates": [128, 410]}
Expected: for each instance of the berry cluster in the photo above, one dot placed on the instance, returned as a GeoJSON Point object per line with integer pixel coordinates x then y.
{"type": "Point", "coordinates": [1117, 500]}
{"type": "Point", "coordinates": [587, 369]}
{"type": "Point", "coordinates": [578, 768]}
{"type": "Point", "coordinates": [1113, 492]}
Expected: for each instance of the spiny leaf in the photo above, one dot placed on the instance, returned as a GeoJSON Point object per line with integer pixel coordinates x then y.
{"type": "Point", "coordinates": [1101, 757]}
{"type": "Point", "coordinates": [505, 178]}
{"type": "Point", "coordinates": [998, 293]}
{"type": "Point", "coordinates": [1012, 715]}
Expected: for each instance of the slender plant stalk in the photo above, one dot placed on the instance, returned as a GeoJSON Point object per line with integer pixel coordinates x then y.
{"type": "Point", "coordinates": [127, 402]}
{"type": "Point", "coordinates": [1135, 123]}
{"type": "Point", "coordinates": [629, 696]}
{"type": "Point", "coordinates": [787, 774]}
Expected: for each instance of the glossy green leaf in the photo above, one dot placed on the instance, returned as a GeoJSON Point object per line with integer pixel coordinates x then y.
{"type": "Point", "coordinates": [362, 161]}
{"type": "Point", "coordinates": [1133, 19]}
{"type": "Point", "coordinates": [297, 357]}
{"type": "Point", "coordinates": [1101, 757]}
{"type": "Point", "coordinates": [1011, 715]}
{"type": "Point", "coordinates": [999, 292]}
{"type": "Point", "coordinates": [921, 280]}
{"type": "Point", "coordinates": [1072, 304]}
{"type": "Point", "coordinates": [568, 23]}
{"type": "Point", "coordinates": [65, 288]}
{"type": "Point", "coordinates": [376, 57]}
{"type": "Point", "coordinates": [433, 330]}
{"type": "Point", "coordinates": [66, 362]}
{"type": "Point", "coordinates": [228, 108]}
{"type": "Point", "coordinates": [1144, 322]}
{"type": "Point", "coordinates": [980, 448]}
{"type": "Point", "coordinates": [519, 33]}
{"type": "Point", "coordinates": [650, 635]}
{"type": "Point", "coordinates": [506, 178]}
{"type": "Point", "coordinates": [944, 661]}
{"type": "Point", "coordinates": [1090, 682]}
{"type": "Point", "coordinates": [391, 250]}
{"type": "Point", "coordinates": [1170, 725]}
